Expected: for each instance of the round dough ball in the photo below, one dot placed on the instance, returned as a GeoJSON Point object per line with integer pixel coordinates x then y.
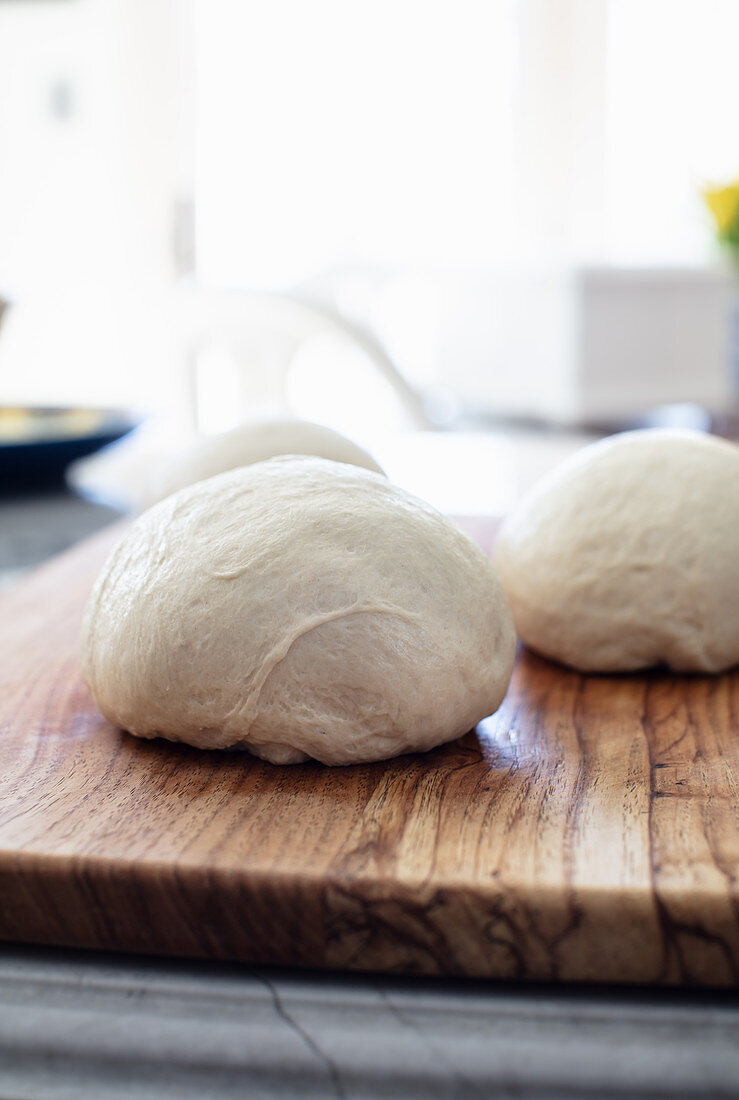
{"type": "Point", "coordinates": [256, 441]}
{"type": "Point", "coordinates": [298, 608]}
{"type": "Point", "coordinates": [627, 555]}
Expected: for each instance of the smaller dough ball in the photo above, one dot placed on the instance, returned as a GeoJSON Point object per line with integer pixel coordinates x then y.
{"type": "Point", "coordinates": [298, 608]}
{"type": "Point", "coordinates": [251, 442]}
{"type": "Point", "coordinates": [627, 555]}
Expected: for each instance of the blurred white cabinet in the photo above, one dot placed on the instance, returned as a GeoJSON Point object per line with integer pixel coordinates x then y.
{"type": "Point", "coordinates": [583, 344]}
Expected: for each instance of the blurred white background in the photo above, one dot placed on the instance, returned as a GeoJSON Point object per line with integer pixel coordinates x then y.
{"type": "Point", "coordinates": [495, 190]}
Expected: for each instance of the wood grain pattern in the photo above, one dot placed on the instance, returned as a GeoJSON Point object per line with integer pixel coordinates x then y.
{"type": "Point", "coordinates": [589, 831]}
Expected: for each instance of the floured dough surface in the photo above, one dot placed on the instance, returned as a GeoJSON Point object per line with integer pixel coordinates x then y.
{"type": "Point", "coordinates": [298, 608]}
{"type": "Point", "coordinates": [627, 555]}
{"type": "Point", "coordinates": [255, 441]}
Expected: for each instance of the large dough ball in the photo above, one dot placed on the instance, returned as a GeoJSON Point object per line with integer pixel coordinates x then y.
{"type": "Point", "coordinates": [627, 555]}
{"type": "Point", "coordinates": [255, 441]}
{"type": "Point", "coordinates": [298, 608]}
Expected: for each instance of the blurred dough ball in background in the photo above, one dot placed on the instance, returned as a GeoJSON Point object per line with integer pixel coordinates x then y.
{"type": "Point", "coordinates": [138, 475]}
{"type": "Point", "coordinates": [252, 442]}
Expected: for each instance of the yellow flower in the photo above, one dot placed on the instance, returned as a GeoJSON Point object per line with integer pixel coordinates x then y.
{"type": "Point", "coordinates": [723, 202]}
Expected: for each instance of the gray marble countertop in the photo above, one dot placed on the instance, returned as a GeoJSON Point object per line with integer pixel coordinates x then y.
{"type": "Point", "coordinates": [75, 1026]}
{"type": "Point", "coordinates": [33, 527]}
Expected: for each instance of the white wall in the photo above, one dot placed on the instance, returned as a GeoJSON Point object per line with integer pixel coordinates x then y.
{"type": "Point", "coordinates": [89, 147]}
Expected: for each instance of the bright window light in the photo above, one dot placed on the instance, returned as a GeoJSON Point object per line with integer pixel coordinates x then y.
{"type": "Point", "coordinates": [379, 130]}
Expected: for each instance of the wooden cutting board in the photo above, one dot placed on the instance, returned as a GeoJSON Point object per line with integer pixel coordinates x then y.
{"type": "Point", "coordinates": [588, 831]}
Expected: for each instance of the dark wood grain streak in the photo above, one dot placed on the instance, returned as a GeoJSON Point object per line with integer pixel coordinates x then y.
{"type": "Point", "coordinates": [589, 831]}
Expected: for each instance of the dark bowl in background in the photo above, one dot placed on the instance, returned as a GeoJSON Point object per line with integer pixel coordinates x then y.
{"type": "Point", "coordinates": [37, 444]}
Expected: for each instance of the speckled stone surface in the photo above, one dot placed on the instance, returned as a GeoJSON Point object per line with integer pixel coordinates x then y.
{"type": "Point", "coordinates": [33, 527]}
{"type": "Point", "coordinates": [109, 1027]}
